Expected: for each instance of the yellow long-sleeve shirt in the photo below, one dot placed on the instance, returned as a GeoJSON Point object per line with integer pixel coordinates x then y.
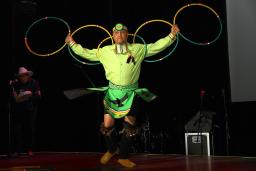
{"type": "Point", "coordinates": [117, 70]}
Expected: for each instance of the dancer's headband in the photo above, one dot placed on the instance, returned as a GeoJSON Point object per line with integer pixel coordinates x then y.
{"type": "Point", "coordinates": [119, 27]}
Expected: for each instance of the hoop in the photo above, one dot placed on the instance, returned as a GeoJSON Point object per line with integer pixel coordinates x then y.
{"type": "Point", "coordinates": [128, 35]}
{"type": "Point", "coordinates": [199, 4]}
{"type": "Point", "coordinates": [163, 21]}
{"type": "Point", "coordinates": [37, 21]}
{"type": "Point", "coordinates": [85, 26]}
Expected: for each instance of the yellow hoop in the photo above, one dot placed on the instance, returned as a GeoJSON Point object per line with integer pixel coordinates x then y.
{"type": "Point", "coordinates": [157, 20]}
{"type": "Point", "coordinates": [199, 4]}
{"type": "Point", "coordinates": [130, 34]}
{"type": "Point", "coordinates": [147, 22]}
{"type": "Point", "coordinates": [193, 4]}
{"type": "Point", "coordinates": [103, 42]}
{"type": "Point", "coordinates": [91, 25]}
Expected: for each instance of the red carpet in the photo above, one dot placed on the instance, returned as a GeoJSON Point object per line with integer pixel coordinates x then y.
{"type": "Point", "coordinates": [66, 161]}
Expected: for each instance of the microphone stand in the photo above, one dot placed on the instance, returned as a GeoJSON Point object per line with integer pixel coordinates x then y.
{"type": "Point", "coordinates": [199, 130]}
{"type": "Point", "coordinates": [146, 135]}
{"type": "Point", "coordinates": [11, 89]}
{"type": "Point", "coordinates": [226, 122]}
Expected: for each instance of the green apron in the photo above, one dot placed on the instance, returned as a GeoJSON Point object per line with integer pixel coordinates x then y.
{"type": "Point", "coordinates": [118, 99]}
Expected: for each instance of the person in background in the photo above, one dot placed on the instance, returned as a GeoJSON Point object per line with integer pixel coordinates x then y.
{"type": "Point", "coordinates": [25, 95]}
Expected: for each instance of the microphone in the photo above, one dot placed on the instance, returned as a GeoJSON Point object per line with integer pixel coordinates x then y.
{"type": "Point", "coordinates": [202, 93]}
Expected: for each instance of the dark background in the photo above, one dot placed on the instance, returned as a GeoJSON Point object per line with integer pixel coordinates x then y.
{"type": "Point", "coordinates": [65, 125]}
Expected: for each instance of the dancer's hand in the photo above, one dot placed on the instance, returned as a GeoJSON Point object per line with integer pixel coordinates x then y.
{"type": "Point", "coordinates": [23, 96]}
{"type": "Point", "coordinates": [175, 30]}
{"type": "Point", "coordinates": [69, 40]}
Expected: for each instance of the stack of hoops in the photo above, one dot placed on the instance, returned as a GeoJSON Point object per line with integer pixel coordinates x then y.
{"type": "Point", "coordinates": [135, 35]}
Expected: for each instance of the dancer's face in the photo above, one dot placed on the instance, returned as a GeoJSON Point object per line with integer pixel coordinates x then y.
{"type": "Point", "coordinates": [120, 37]}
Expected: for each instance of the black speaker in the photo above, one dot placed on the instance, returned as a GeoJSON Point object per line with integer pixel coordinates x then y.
{"type": "Point", "coordinates": [197, 143]}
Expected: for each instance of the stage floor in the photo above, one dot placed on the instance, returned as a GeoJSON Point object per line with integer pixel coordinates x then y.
{"type": "Point", "coordinates": [89, 161]}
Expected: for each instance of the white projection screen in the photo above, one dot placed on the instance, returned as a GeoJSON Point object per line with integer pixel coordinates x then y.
{"type": "Point", "coordinates": [241, 28]}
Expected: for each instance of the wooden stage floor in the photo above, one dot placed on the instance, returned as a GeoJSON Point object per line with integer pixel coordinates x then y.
{"type": "Point", "coordinates": [89, 161]}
